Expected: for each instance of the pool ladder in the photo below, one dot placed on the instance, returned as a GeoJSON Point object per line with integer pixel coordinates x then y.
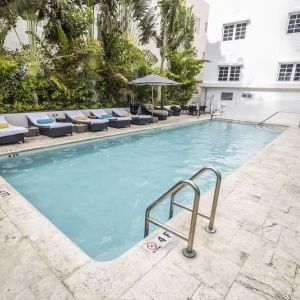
{"type": "Point", "coordinates": [189, 251]}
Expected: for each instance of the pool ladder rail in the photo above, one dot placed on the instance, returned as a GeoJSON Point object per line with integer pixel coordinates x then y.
{"type": "Point", "coordinates": [189, 251]}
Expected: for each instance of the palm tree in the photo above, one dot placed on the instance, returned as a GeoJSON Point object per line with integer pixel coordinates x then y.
{"type": "Point", "coordinates": [176, 30]}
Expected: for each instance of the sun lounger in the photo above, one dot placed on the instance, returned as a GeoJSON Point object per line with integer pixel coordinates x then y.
{"type": "Point", "coordinates": [159, 113]}
{"type": "Point", "coordinates": [136, 119]}
{"type": "Point", "coordinates": [9, 133]}
{"type": "Point", "coordinates": [77, 117]}
{"type": "Point", "coordinates": [47, 126]}
{"type": "Point", "coordinates": [116, 122]}
{"type": "Point", "coordinates": [170, 112]}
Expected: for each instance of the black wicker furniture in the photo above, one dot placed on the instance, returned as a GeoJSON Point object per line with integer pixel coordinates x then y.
{"type": "Point", "coordinates": [135, 119]}
{"type": "Point", "coordinates": [115, 122]}
{"type": "Point", "coordinates": [11, 134]}
{"type": "Point", "coordinates": [47, 126]}
{"type": "Point", "coordinates": [77, 117]}
{"type": "Point", "coordinates": [176, 110]}
{"type": "Point", "coordinates": [148, 110]}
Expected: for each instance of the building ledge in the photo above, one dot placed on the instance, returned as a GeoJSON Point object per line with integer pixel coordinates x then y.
{"type": "Point", "coordinates": [292, 87]}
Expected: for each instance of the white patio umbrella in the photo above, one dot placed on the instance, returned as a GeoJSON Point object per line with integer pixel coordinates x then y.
{"type": "Point", "coordinates": [153, 80]}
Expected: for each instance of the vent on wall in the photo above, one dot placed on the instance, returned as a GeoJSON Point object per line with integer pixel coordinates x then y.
{"type": "Point", "coordinates": [226, 96]}
{"type": "Point", "coordinates": [3, 192]}
{"type": "Point", "coordinates": [247, 95]}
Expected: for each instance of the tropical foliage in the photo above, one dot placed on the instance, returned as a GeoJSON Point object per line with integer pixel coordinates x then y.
{"type": "Point", "coordinates": [82, 53]}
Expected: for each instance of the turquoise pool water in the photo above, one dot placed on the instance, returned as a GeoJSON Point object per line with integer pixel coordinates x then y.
{"type": "Point", "coordinates": [96, 192]}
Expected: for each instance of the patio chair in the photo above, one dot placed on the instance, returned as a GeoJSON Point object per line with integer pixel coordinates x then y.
{"type": "Point", "coordinates": [193, 110]}
{"type": "Point", "coordinates": [135, 119]}
{"type": "Point", "coordinates": [47, 126]}
{"type": "Point", "coordinates": [159, 113]}
{"type": "Point", "coordinates": [116, 122]}
{"type": "Point", "coordinates": [11, 134]}
{"type": "Point", "coordinates": [77, 117]}
{"type": "Point", "coordinates": [170, 112]}
{"type": "Point", "coordinates": [176, 110]}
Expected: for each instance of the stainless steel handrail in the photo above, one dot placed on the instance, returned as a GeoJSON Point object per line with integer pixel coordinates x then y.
{"type": "Point", "coordinates": [189, 251]}
{"type": "Point", "coordinates": [284, 112]}
{"type": "Point", "coordinates": [210, 228]}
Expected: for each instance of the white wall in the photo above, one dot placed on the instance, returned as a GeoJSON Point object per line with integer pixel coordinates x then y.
{"type": "Point", "coordinates": [262, 105]}
{"type": "Point", "coordinates": [266, 45]}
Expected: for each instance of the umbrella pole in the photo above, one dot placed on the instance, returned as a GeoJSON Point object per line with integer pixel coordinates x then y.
{"type": "Point", "coordinates": [152, 101]}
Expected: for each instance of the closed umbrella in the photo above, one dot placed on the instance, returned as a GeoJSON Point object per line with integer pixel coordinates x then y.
{"type": "Point", "coordinates": [153, 80]}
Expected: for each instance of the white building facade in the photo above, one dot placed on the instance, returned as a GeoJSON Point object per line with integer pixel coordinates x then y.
{"type": "Point", "coordinates": [254, 51]}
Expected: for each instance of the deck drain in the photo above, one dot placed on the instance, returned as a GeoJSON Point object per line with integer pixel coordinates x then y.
{"type": "Point", "coordinates": [4, 193]}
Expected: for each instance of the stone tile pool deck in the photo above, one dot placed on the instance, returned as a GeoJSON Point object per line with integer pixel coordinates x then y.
{"type": "Point", "coordinates": [255, 253]}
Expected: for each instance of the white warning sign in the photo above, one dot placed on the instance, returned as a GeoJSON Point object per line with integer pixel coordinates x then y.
{"type": "Point", "coordinates": [158, 242]}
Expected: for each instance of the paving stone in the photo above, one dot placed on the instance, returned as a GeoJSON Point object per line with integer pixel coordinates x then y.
{"type": "Point", "coordinates": [296, 288]}
{"type": "Point", "coordinates": [167, 281]}
{"type": "Point", "coordinates": [289, 245]}
{"type": "Point", "coordinates": [20, 268]}
{"type": "Point", "coordinates": [107, 279]}
{"type": "Point", "coordinates": [24, 294]}
{"type": "Point", "coordinates": [204, 292]}
{"type": "Point", "coordinates": [273, 277]}
{"type": "Point", "coordinates": [50, 288]}
{"type": "Point", "coordinates": [289, 220]}
{"type": "Point", "coordinates": [244, 210]}
{"type": "Point", "coordinates": [271, 230]}
{"type": "Point", "coordinates": [245, 241]}
{"type": "Point", "coordinates": [2, 214]}
{"type": "Point", "coordinates": [9, 235]}
{"type": "Point", "coordinates": [61, 254]}
{"type": "Point", "coordinates": [136, 294]}
{"type": "Point", "coordinates": [239, 292]}
{"type": "Point", "coordinates": [211, 269]}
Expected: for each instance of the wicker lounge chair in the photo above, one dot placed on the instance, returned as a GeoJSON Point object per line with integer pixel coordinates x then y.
{"type": "Point", "coordinates": [159, 113]}
{"type": "Point", "coordinates": [176, 110]}
{"type": "Point", "coordinates": [77, 117]}
{"type": "Point", "coordinates": [170, 112]}
{"type": "Point", "coordinates": [135, 119]}
{"type": "Point", "coordinates": [116, 122]}
{"type": "Point", "coordinates": [47, 126]}
{"type": "Point", "coordinates": [11, 134]}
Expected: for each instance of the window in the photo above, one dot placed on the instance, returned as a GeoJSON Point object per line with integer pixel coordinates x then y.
{"type": "Point", "coordinates": [294, 23]}
{"type": "Point", "coordinates": [247, 95]}
{"type": "Point", "coordinates": [289, 72]}
{"type": "Point", "coordinates": [228, 32]}
{"type": "Point", "coordinates": [240, 32]}
{"type": "Point", "coordinates": [235, 31]}
{"type": "Point", "coordinates": [223, 73]}
{"type": "Point", "coordinates": [226, 96]}
{"type": "Point", "coordinates": [206, 26]}
{"type": "Point", "coordinates": [235, 73]}
{"type": "Point", "coordinates": [297, 73]}
{"type": "Point", "coordinates": [197, 25]}
{"type": "Point", "coordinates": [229, 73]}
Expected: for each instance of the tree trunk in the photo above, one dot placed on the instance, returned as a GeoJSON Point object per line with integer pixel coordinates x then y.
{"type": "Point", "coordinates": [163, 56]}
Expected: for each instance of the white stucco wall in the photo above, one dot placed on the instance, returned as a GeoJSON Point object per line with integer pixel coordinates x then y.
{"type": "Point", "coordinates": [266, 45]}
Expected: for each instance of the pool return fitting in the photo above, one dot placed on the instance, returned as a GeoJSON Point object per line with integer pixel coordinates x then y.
{"type": "Point", "coordinates": [189, 251]}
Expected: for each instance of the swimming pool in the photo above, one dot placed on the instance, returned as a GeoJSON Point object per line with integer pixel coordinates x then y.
{"type": "Point", "coordinates": [96, 192]}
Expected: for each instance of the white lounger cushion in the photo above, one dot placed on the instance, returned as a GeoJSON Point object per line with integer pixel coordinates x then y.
{"type": "Point", "coordinates": [74, 114]}
{"type": "Point", "coordinates": [121, 111]}
{"type": "Point", "coordinates": [11, 130]}
{"type": "Point", "coordinates": [100, 112]}
{"type": "Point", "coordinates": [34, 117]}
